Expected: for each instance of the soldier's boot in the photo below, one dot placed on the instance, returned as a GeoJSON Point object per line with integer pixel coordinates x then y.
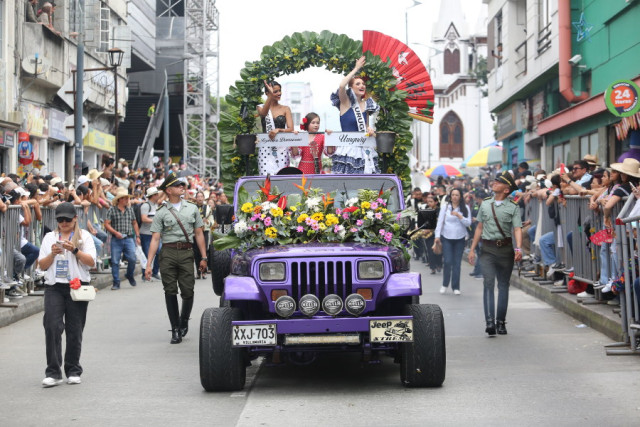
{"type": "Point", "coordinates": [174, 317]}
{"type": "Point", "coordinates": [187, 305]}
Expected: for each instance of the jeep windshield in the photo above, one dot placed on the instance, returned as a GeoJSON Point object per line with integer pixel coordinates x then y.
{"type": "Point", "coordinates": [344, 186]}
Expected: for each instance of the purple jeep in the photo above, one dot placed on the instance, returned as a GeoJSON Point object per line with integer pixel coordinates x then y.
{"type": "Point", "coordinates": [291, 302]}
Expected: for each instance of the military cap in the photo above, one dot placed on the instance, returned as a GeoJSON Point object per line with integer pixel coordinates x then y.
{"type": "Point", "coordinates": [507, 178]}
{"type": "Point", "coordinates": [171, 180]}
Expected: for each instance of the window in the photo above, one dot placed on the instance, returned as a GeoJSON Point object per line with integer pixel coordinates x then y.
{"type": "Point", "coordinates": [560, 155]}
{"type": "Point", "coordinates": [544, 25]}
{"type": "Point", "coordinates": [451, 136]}
{"type": "Point", "coordinates": [452, 61]}
{"type": "Point", "coordinates": [104, 27]}
{"type": "Point", "coordinates": [589, 144]}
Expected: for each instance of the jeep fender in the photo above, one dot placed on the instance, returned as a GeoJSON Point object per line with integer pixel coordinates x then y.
{"type": "Point", "coordinates": [402, 285]}
{"type": "Point", "coordinates": [241, 288]}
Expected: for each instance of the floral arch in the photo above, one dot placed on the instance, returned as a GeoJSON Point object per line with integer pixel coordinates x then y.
{"type": "Point", "coordinates": [336, 53]}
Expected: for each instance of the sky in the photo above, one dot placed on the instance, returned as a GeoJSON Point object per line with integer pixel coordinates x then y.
{"type": "Point", "coordinates": [247, 26]}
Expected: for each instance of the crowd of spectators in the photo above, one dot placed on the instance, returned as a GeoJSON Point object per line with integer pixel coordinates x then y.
{"type": "Point", "coordinates": [95, 190]}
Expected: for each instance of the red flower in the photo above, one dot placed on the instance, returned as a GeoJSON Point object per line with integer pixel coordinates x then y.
{"type": "Point", "coordinates": [350, 209]}
{"type": "Point", "coordinates": [282, 203]}
{"type": "Point", "coordinates": [571, 274]}
{"type": "Point", "coordinates": [619, 221]}
{"type": "Point", "coordinates": [75, 283]}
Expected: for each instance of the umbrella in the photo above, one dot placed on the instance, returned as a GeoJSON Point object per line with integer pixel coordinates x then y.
{"type": "Point", "coordinates": [485, 156]}
{"type": "Point", "coordinates": [443, 170]}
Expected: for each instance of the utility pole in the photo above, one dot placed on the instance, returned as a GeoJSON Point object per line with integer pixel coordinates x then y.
{"type": "Point", "coordinates": [78, 112]}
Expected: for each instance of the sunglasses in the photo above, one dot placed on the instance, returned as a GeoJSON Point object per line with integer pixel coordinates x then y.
{"type": "Point", "coordinates": [575, 169]}
{"type": "Point", "coordinates": [62, 219]}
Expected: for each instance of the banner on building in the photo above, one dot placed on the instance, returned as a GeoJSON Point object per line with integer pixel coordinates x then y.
{"type": "Point", "coordinates": [100, 140]}
{"type": "Point", "coordinates": [56, 125]}
{"type": "Point", "coordinates": [37, 121]}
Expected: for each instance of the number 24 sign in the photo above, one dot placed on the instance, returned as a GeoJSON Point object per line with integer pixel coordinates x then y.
{"type": "Point", "coordinates": [622, 98]}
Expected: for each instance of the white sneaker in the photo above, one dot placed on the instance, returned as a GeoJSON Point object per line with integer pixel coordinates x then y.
{"type": "Point", "coordinates": [584, 294]}
{"type": "Point", "coordinates": [456, 292]}
{"type": "Point", "coordinates": [607, 287]}
{"type": "Point", "coordinates": [550, 273]}
{"type": "Point", "coordinates": [74, 380]}
{"type": "Point", "coordinates": [51, 382]}
{"type": "Point", "coordinates": [443, 290]}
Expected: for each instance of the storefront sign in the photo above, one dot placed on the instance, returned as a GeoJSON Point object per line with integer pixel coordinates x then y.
{"type": "Point", "coordinates": [9, 138]}
{"type": "Point", "coordinates": [25, 149]}
{"type": "Point", "coordinates": [1, 138]}
{"type": "Point", "coordinates": [100, 140]}
{"type": "Point", "coordinates": [56, 125]}
{"type": "Point", "coordinates": [509, 122]}
{"type": "Point", "coordinates": [37, 121]}
{"type": "Point", "coordinates": [622, 98]}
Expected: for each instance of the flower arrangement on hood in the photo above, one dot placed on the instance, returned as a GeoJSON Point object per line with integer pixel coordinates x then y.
{"type": "Point", "coordinates": [312, 216]}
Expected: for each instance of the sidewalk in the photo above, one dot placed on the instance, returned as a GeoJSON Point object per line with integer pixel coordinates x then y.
{"type": "Point", "coordinates": [30, 305]}
{"type": "Point", "coordinates": [598, 316]}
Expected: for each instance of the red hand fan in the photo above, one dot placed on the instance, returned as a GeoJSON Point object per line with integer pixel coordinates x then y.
{"type": "Point", "coordinates": [602, 236]}
{"type": "Point", "coordinates": [410, 73]}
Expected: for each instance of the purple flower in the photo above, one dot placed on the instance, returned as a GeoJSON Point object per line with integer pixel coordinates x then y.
{"type": "Point", "coordinates": [374, 205]}
{"type": "Point", "coordinates": [300, 229]}
{"type": "Point", "coordinates": [382, 202]}
{"type": "Point", "coordinates": [315, 226]}
{"type": "Point", "coordinates": [308, 221]}
{"type": "Point", "coordinates": [255, 217]}
{"type": "Point", "coordinates": [336, 229]}
{"type": "Point", "coordinates": [338, 211]}
{"type": "Point", "coordinates": [267, 221]}
{"type": "Point", "coordinates": [378, 215]}
{"type": "Point", "coordinates": [398, 217]}
{"type": "Point", "coordinates": [353, 230]}
{"type": "Point", "coordinates": [359, 223]}
{"type": "Point", "coordinates": [388, 237]}
{"type": "Point", "coordinates": [382, 231]}
{"type": "Point", "coordinates": [345, 215]}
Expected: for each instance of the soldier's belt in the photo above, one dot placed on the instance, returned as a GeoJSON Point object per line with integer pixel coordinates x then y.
{"type": "Point", "coordinates": [499, 243]}
{"type": "Point", "coordinates": [178, 245]}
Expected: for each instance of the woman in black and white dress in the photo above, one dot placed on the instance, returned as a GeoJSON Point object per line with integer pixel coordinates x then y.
{"type": "Point", "coordinates": [276, 118]}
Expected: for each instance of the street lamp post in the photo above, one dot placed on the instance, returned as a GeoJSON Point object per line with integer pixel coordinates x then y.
{"type": "Point", "coordinates": [115, 60]}
{"type": "Point", "coordinates": [406, 19]}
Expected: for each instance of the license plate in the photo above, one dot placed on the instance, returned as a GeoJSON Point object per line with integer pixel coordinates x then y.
{"type": "Point", "coordinates": [398, 330]}
{"type": "Point", "coordinates": [249, 335]}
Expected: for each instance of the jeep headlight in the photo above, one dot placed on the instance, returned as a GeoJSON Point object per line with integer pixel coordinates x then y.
{"type": "Point", "coordinates": [272, 271]}
{"type": "Point", "coordinates": [368, 270]}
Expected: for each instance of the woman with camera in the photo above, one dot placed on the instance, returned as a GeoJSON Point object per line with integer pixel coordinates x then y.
{"type": "Point", "coordinates": [66, 253]}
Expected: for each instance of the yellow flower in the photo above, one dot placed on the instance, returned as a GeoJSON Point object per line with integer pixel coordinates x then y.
{"type": "Point", "coordinates": [271, 232]}
{"type": "Point", "coordinates": [332, 219]}
{"type": "Point", "coordinates": [276, 212]}
{"type": "Point", "coordinates": [247, 207]}
{"type": "Point", "coordinates": [366, 205]}
{"type": "Point", "coordinates": [287, 57]}
{"type": "Point", "coordinates": [385, 210]}
{"type": "Point", "coordinates": [318, 216]}
{"type": "Point", "coordinates": [318, 48]}
{"type": "Point", "coordinates": [263, 216]}
{"type": "Point", "coordinates": [302, 218]}
{"type": "Point", "coordinates": [293, 208]}
{"type": "Point", "coordinates": [322, 226]}
{"type": "Point", "coordinates": [295, 51]}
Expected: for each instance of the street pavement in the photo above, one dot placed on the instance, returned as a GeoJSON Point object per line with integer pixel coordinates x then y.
{"type": "Point", "coordinates": [548, 370]}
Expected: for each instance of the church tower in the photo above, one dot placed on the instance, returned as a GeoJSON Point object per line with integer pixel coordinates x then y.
{"type": "Point", "coordinates": [462, 123]}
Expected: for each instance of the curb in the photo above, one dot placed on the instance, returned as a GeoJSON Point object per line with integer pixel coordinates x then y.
{"type": "Point", "coordinates": [597, 316]}
{"type": "Point", "coordinates": [30, 305]}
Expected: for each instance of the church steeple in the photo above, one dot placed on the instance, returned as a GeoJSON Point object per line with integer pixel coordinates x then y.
{"type": "Point", "coordinates": [450, 35]}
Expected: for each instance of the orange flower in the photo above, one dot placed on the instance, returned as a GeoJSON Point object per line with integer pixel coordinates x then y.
{"type": "Point", "coordinates": [328, 200]}
{"type": "Point", "coordinates": [303, 186]}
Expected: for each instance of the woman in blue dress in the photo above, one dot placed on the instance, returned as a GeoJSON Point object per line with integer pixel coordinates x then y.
{"type": "Point", "coordinates": [355, 111]}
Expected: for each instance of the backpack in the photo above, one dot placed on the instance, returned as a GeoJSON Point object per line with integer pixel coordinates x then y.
{"type": "Point", "coordinates": [138, 213]}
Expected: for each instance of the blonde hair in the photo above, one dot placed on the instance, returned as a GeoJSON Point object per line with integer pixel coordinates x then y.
{"type": "Point", "coordinates": [77, 233]}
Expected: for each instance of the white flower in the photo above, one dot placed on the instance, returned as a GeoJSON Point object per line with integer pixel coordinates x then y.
{"type": "Point", "coordinates": [240, 227]}
{"type": "Point", "coordinates": [370, 214]}
{"type": "Point", "coordinates": [313, 202]}
{"type": "Point", "coordinates": [267, 206]}
{"type": "Point", "coordinates": [352, 201]}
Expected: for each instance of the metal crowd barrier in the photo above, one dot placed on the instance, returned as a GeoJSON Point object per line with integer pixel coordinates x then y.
{"type": "Point", "coordinates": [627, 231]}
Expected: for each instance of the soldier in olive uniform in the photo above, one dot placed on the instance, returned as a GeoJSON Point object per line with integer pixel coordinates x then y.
{"type": "Point", "coordinates": [176, 255]}
{"type": "Point", "coordinates": [499, 223]}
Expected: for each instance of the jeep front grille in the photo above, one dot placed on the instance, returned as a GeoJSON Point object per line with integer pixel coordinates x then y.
{"type": "Point", "coordinates": [321, 278]}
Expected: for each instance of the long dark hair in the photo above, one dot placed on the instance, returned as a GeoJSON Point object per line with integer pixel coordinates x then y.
{"type": "Point", "coordinates": [462, 205]}
{"type": "Point", "coordinates": [310, 117]}
{"type": "Point", "coordinates": [273, 84]}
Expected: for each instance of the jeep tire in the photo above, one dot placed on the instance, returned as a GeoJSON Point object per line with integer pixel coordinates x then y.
{"type": "Point", "coordinates": [222, 367]}
{"type": "Point", "coordinates": [220, 267]}
{"type": "Point", "coordinates": [423, 362]}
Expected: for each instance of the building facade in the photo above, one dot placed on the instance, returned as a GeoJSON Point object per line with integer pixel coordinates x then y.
{"type": "Point", "coordinates": [551, 62]}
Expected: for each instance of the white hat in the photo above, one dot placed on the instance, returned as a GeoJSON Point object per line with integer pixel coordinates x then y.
{"type": "Point", "coordinates": [55, 180]}
{"type": "Point", "coordinates": [151, 191]}
{"type": "Point", "coordinates": [104, 182]}
{"type": "Point", "coordinates": [81, 180]}
{"type": "Point", "coordinates": [21, 191]}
